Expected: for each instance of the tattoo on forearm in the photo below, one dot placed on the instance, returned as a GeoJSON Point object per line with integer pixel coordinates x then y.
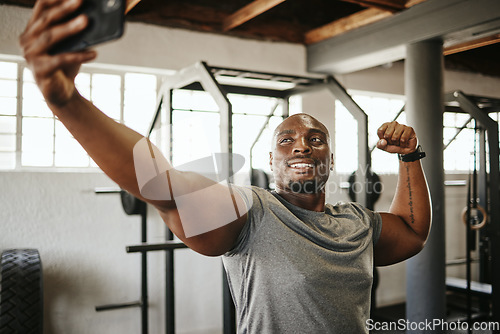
{"type": "Point", "coordinates": [410, 202]}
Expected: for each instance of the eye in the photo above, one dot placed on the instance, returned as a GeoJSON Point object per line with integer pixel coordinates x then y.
{"type": "Point", "coordinates": [285, 140]}
{"type": "Point", "coordinates": [316, 140]}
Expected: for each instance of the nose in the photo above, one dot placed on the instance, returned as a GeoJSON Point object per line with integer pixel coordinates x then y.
{"type": "Point", "coordinates": [302, 146]}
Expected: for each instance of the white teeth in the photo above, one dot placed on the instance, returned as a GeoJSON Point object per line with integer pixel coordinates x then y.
{"type": "Point", "coordinates": [301, 165]}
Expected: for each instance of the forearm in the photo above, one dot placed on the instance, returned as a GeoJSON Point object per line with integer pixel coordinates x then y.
{"type": "Point", "coordinates": [412, 201]}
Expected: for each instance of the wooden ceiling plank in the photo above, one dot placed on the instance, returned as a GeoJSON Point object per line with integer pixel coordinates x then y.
{"type": "Point", "coordinates": [130, 4]}
{"type": "Point", "coordinates": [353, 21]}
{"type": "Point", "coordinates": [390, 5]}
{"type": "Point", "coordinates": [345, 24]}
{"type": "Point", "coordinates": [411, 3]}
{"type": "Point", "coordinates": [472, 44]}
{"type": "Point", "coordinates": [248, 12]}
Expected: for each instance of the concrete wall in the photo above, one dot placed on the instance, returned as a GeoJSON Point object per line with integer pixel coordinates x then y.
{"type": "Point", "coordinates": [82, 236]}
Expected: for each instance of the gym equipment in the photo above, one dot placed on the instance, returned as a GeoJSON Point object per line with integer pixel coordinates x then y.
{"type": "Point", "coordinates": [219, 82]}
{"type": "Point", "coordinates": [373, 188]}
{"type": "Point", "coordinates": [21, 292]}
{"type": "Point", "coordinates": [482, 204]}
{"type": "Point", "coordinates": [133, 206]}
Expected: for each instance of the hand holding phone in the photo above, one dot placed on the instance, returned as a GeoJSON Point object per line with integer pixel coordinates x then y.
{"type": "Point", "coordinates": [106, 23]}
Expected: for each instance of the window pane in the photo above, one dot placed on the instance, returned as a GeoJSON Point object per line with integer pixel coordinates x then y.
{"type": "Point", "coordinates": [458, 155]}
{"type": "Point", "coordinates": [31, 91]}
{"type": "Point", "coordinates": [140, 82]}
{"type": "Point", "coordinates": [181, 99]}
{"type": "Point", "coordinates": [8, 88]}
{"type": "Point", "coordinates": [194, 100]}
{"type": "Point", "coordinates": [36, 107]}
{"type": "Point", "coordinates": [8, 70]}
{"type": "Point", "coordinates": [43, 127]}
{"type": "Point", "coordinates": [69, 153]}
{"type": "Point", "coordinates": [37, 141]}
{"type": "Point", "coordinates": [82, 83]}
{"type": "Point", "coordinates": [263, 146]}
{"type": "Point", "coordinates": [8, 142]}
{"type": "Point", "coordinates": [40, 158]}
{"type": "Point", "coordinates": [245, 131]}
{"type": "Point", "coordinates": [108, 101]}
{"type": "Point", "coordinates": [8, 105]}
{"type": "Point", "coordinates": [139, 109]}
{"type": "Point", "coordinates": [346, 140]}
{"type": "Point", "coordinates": [244, 104]}
{"type": "Point", "coordinates": [106, 82]}
{"type": "Point", "coordinates": [28, 75]}
{"type": "Point", "coordinates": [195, 135]}
{"type": "Point", "coordinates": [7, 160]}
{"type": "Point", "coordinates": [7, 124]}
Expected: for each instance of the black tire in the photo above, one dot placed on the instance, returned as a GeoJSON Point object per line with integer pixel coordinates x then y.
{"type": "Point", "coordinates": [21, 292]}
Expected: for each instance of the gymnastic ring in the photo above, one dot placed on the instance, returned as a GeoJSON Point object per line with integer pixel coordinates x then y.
{"type": "Point", "coordinates": [476, 226]}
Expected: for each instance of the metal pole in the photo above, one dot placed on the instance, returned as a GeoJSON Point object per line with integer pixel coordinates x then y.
{"type": "Point", "coordinates": [425, 273]}
{"type": "Point", "coordinates": [144, 274]}
{"type": "Point", "coordinates": [169, 255]}
{"type": "Point", "coordinates": [364, 157]}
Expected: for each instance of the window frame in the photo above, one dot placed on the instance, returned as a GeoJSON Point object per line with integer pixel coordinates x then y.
{"type": "Point", "coordinates": [91, 69]}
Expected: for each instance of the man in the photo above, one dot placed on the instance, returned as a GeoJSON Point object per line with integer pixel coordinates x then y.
{"type": "Point", "coordinates": [294, 263]}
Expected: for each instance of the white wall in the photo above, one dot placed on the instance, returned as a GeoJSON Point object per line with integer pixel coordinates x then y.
{"type": "Point", "coordinates": [82, 236]}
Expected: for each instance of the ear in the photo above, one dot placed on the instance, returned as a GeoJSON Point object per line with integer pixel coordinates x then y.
{"type": "Point", "coordinates": [271, 160]}
{"type": "Point", "coordinates": [332, 163]}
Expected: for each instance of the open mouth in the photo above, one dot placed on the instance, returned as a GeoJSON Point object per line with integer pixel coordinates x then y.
{"type": "Point", "coordinates": [301, 165]}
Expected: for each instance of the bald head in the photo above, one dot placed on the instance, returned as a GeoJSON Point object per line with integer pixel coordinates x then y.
{"type": "Point", "coordinates": [292, 123]}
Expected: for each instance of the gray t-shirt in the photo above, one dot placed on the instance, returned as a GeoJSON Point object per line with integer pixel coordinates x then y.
{"type": "Point", "coordinates": [298, 271]}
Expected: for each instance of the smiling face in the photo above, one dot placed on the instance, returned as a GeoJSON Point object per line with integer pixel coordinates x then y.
{"type": "Point", "coordinates": [301, 157]}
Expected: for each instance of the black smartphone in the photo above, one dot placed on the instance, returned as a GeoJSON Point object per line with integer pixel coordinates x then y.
{"type": "Point", "coordinates": [106, 23]}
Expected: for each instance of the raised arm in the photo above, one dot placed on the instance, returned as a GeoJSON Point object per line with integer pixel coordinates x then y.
{"type": "Point", "coordinates": [210, 223]}
{"type": "Point", "coordinates": [406, 226]}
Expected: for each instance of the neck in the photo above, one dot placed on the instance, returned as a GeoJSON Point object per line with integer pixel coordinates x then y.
{"type": "Point", "coordinates": [311, 202]}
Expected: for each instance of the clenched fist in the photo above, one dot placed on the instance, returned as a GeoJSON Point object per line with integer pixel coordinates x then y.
{"type": "Point", "coordinates": [397, 138]}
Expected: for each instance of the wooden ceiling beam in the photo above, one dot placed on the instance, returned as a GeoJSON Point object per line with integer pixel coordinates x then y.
{"type": "Point", "coordinates": [354, 21]}
{"type": "Point", "coordinates": [389, 5]}
{"type": "Point", "coordinates": [411, 3]}
{"type": "Point", "coordinates": [248, 12]}
{"type": "Point", "coordinates": [130, 4]}
{"type": "Point", "coordinates": [345, 24]}
{"type": "Point", "coordinates": [472, 44]}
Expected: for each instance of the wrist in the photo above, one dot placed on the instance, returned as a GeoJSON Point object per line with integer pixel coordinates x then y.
{"type": "Point", "coordinates": [414, 156]}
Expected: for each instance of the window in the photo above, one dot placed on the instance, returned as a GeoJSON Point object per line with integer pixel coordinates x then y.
{"type": "Point", "coordinates": [8, 114]}
{"type": "Point", "coordinates": [380, 109]}
{"type": "Point", "coordinates": [458, 153]}
{"type": "Point", "coordinates": [196, 113]}
{"type": "Point", "coordinates": [30, 136]}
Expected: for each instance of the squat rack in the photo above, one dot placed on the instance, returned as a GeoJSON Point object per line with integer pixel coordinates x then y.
{"type": "Point", "coordinates": [219, 82]}
{"type": "Point", "coordinates": [478, 108]}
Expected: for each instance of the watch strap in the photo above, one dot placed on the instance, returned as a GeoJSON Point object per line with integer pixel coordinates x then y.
{"type": "Point", "coordinates": [414, 156]}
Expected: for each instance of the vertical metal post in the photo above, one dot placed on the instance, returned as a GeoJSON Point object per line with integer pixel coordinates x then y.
{"type": "Point", "coordinates": [144, 273]}
{"type": "Point", "coordinates": [285, 105]}
{"type": "Point", "coordinates": [361, 117]}
{"type": "Point", "coordinates": [425, 272]}
{"type": "Point", "coordinates": [169, 255]}
{"type": "Point", "coordinates": [484, 247]}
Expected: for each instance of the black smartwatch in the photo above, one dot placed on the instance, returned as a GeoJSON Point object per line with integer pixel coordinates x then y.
{"type": "Point", "coordinates": [414, 156]}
